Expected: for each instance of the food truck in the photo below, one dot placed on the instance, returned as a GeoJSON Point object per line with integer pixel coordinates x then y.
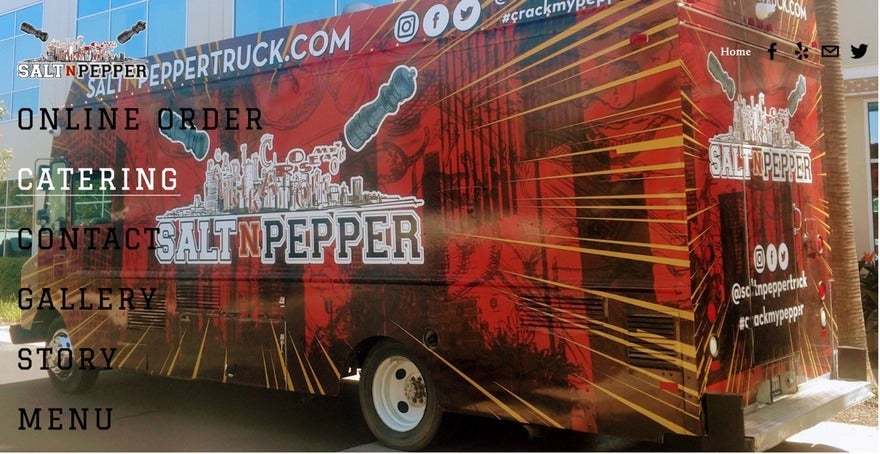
{"type": "Point", "coordinates": [603, 216]}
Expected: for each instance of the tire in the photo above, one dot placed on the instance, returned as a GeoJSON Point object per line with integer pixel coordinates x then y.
{"type": "Point", "coordinates": [67, 380]}
{"type": "Point", "coordinates": [398, 398]}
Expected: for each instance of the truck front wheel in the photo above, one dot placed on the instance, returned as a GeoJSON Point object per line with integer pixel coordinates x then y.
{"type": "Point", "coordinates": [398, 398]}
{"type": "Point", "coordinates": [64, 372]}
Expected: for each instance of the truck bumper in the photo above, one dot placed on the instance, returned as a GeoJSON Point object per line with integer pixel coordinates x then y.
{"type": "Point", "coordinates": [815, 401]}
{"type": "Point", "coordinates": [730, 427]}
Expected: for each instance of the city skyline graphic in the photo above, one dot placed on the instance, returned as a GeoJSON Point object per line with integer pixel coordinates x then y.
{"type": "Point", "coordinates": [254, 183]}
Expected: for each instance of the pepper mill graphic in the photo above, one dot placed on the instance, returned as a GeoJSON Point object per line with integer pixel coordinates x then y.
{"type": "Point", "coordinates": [365, 123]}
{"type": "Point", "coordinates": [721, 76]}
{"type": "Point", "coordinates": [33, 31]}
{"type": "Point", "coordinates": [194, 140]}
{"type": "Point", "coordinates": [797, 94]}
{"type": "Point", "coordinates": [138, 27]}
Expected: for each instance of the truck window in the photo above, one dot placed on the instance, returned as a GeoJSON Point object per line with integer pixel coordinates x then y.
{"type": "Point", "coordinates": [54, 212]}
{"type": "Point", "coordinates": [92, 205]}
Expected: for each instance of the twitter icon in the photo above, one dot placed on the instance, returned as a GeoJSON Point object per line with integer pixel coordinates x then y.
{"type": "Point", "coordinates": [859, 52]}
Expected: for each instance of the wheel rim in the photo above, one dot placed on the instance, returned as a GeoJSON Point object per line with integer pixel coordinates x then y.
{"type": "Point", "coordinates": [56, 357]}
{"type": "Point", "coordinates": [399, 393]}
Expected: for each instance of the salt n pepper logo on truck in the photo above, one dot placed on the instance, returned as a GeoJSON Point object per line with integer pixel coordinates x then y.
{"type": "Point", "coordinates": [293, 209]}
{"type": "Point", "coordinates": [759, 144]}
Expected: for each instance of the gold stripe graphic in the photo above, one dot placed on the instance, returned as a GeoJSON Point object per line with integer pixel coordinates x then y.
{"type": "Point", "coordinates": [176, 353]}
{"type": "Point", "coordinates": [658, 221]}
{"type": "Point", "coordinates": [329, 360]}
{"type": "Point", "coordinates": [578, 28]}
{"type": "Point", "coordinates": [531, 407]}
{"type": "Point", "coordinates": [636, 147]}
{"type": "Point", "coordinates": [283, 363]}
{"type": "Point", "coordinates": [226, 364]}
{"type": "Point", "coordinates": [644, 411]}
{"type": "Point", "coordinates": [624, 243]}
{"type": "Point", "coordinates": [201, 351]}
{"type": "Point", "coordinates": [685, 315]}
{"type": "Point", "coordinates": [669, 195]}
{"type": "Point", "coordinates": [680, 347]}
{"type": "Point", "coordinates": [612, 207]}
{"type": "Point", "coordinates": [135, 346]}
{"type": "Point", "coordinates": [640, 370]}
{"type": "Point", "coordinates": [625, 80]}
{"type": "Point", "coordinates": [595, 56]}
{"type": "Point", "coordinates": [607, 119]}
{"type": "Point", "coordinates": [605, 253]}
{"type": "Point", "coordinates": [657, 167]}
{"type": "Point", "coordinates": [302, 366]}
{"type": "Point", "coordinates": [265, 368]}
{"type": "Point", "coordinates": [652, 353]}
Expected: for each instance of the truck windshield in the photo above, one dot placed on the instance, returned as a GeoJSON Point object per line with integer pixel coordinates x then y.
{"type": "Point", "coordinates": [52, 191]}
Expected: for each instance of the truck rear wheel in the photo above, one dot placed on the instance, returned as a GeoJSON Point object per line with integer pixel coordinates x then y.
{"type": "Point", "coordinates": [64, 373]}
{"type": "Point", "coordinates": [398, 398]}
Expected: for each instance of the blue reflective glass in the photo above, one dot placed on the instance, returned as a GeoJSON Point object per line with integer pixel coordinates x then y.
{"type": "Point", "coordinates": [32, 15]}
{"type": "Point", "coordinates": [121, 20]}
{"type": "Point", "coordinates": [118, 3]}
{"type": "Point", "coordinates": [872, 124]}
{"type": "Point", "coordinates": [95, 28]}
{"type": "Point", "coordinates": [344, 3]}
{"type": "Point", "coordinates": [86, 7]}
{"type": "Point", "coordinates": [26, 98]}
{"type": "Point", "coordinates": [7, 61]}
{"type": "Point", "coordinates": [297, 11]}
{"type": "Point", "coordinates": [7, 25]}
{"type": "Point", "coordinates": [26, 47]}
{"type": "Point", "coordinates": [250, 19]}
{"type": "Point", "coordinates": [6, 100]}
{"type": "Point", "coordinates": [166, 27]}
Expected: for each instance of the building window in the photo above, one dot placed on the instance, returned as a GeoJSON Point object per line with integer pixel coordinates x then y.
{"type": "Point", "coordinates": [15, 213]}
{"type": "Point", "coordinates": [872, 158]}
{"type": "Point", "coordinates": [281, 13]}
{"type": "Point", "coordinates": [15, 46]}
{"type": "Point", "coordinates": [104, 20]}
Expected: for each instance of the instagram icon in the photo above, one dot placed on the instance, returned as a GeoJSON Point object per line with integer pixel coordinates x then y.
{"type": "Point", "coordinates": [406, 27]}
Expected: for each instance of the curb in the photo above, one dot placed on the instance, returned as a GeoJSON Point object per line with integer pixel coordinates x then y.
{"type": "Point", "coordinates": [6, 344]}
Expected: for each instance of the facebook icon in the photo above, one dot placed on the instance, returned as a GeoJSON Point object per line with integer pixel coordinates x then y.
{"type": "Point", "coordinates": [436, 20]}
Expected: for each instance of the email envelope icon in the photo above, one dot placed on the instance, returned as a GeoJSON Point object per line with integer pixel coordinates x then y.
{"type": "Point", "coordinates": [830, 51]}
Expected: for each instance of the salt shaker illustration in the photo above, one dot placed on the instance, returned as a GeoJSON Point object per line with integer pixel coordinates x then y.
{"type": "Point", "coordinates": [33, 31]}
{"type": "Point", "coordinates": [194, 141]}
{"type": "Point", "coordinates": [138, 27]}
{"type": "Point", "coordinates": [365, 123]}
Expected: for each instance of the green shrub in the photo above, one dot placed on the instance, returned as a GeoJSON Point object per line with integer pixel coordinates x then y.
{"type": "Point", "coordinates": [9, 311]}
{"type": "Point", "coordinates": [10, 282]}
{"type": "Point", "coordinates": [10, 276]}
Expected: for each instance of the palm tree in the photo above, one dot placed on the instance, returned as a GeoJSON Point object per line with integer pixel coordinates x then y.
{"type": "Point", "coordinates": [847, 309]}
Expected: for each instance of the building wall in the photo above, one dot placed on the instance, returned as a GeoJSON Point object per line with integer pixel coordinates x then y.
{"type": "Point", "coordinates": [860, 179]}
{"type": "Point", "coordinates": [858, 24]}
{"type": "Point", "coordinates": [209, 21]}
{"type": "Point", "coordinates": [858, 20]}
